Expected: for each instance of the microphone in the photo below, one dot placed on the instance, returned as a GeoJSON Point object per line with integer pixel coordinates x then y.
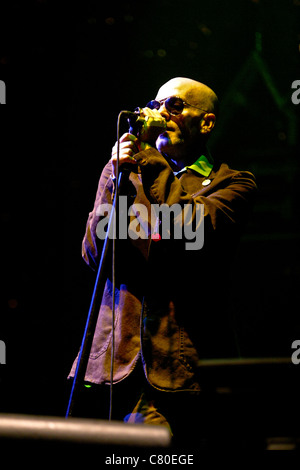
{"type": "Point", "coordinates": [137, 122]}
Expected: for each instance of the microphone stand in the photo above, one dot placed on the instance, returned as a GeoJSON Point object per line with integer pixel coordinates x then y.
{"type": "Point", "coordinates": [92, 317]}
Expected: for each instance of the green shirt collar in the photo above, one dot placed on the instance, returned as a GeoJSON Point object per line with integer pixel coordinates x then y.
{"type": "Point", "coordinates": [202, 165]}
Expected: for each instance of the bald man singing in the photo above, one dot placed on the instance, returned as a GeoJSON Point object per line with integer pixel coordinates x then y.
{"type": "Point", "coordinates": [185, 214]}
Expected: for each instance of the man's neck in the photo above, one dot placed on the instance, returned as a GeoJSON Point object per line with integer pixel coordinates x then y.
{"type": "Point", "coordinates": [183, 161]}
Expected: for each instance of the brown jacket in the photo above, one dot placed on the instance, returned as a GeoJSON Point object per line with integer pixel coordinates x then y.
{"type": "Point", "coordinates": [171, 307]}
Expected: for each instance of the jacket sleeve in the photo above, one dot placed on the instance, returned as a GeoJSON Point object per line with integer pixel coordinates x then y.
{"type": "Point", "coordinates": [226, 205]}
{"type": "Point", "coordinates": [91, 244]}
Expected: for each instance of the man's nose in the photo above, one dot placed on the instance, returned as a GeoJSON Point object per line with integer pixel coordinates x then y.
{"type": "Point", "coordinates": [164, 112]}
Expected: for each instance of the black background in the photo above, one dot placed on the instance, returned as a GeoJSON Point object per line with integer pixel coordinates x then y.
{"type": "Point", "coordinates": [69, 68]}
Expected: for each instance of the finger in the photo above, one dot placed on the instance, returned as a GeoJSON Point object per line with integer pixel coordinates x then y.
{"type": "Point", "coordinates": [151, 113]}
{"type": "Point", "coordinates": [128, 137]}
{"type": "Point", "coordinates": [123, 154]}
{"type": "Point", "coordinates": [127, 145]}
{"type": "Point", "coordinates": [124, 146]}
{"type": "Point", "coordinates": [124, 159]}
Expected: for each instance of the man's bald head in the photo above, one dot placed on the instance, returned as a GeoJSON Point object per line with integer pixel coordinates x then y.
{"type": "Point", "coordinates": [193, 92]}
{"type": "Point", "coordinates": [189, 128]}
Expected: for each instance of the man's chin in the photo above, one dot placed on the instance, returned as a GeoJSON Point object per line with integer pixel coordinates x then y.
{"type": "Point", "coordinates": [164, 143]}
{"type": "Point", "coordinates": [171, 147]}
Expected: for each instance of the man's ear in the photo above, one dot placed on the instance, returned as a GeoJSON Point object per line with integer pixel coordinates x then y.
{"type": "Point", "coordinates": [207, 123]}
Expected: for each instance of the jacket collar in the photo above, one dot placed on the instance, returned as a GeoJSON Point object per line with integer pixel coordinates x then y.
{"type": "Point", "coordinates": [203, 165]}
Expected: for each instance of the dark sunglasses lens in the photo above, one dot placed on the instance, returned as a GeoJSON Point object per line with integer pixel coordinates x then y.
{"type": "Point", "coordinates": [153, 104]}
{"type": "Point", "coordinates": [174, 105]}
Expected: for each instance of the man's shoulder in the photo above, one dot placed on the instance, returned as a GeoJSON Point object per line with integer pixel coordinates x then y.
{"type": "Point", "coordinates": [223, 171]}
{"type": "Point", "coordinates": [226, 170]}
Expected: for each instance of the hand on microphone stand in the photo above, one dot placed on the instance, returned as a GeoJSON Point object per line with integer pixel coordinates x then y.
{"type": "Point", "coordinates": [128, 147]}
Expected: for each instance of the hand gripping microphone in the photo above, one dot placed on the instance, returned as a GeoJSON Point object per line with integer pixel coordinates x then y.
{"type": "Point", "coordinates": [139, 124]}
{"type": "Point", "coordinates": [135, 121]}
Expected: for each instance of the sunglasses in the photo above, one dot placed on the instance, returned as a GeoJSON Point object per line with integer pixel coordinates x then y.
{"type": "Point", "coordinates": [173, 105]}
